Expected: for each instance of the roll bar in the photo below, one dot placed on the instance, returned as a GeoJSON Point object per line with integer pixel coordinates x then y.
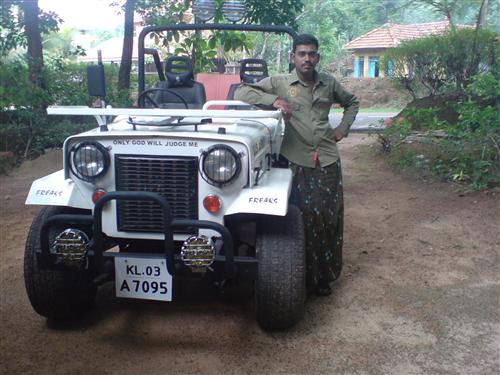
{"type": "Point", "coordinates": [201, 26]}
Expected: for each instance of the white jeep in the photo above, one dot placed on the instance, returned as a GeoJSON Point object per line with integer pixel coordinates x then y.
{"type": "Point", "coordinates": [156, 193]}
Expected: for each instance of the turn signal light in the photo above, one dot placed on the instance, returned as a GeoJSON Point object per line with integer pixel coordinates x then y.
{"type": "Point", "coordinates": [212, 203]}
{"type": "Point", "coordinates": [97, 194]}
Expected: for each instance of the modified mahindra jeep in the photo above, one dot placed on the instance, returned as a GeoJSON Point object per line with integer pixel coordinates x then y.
{"type": "Point", "coordinates": [170, 190]}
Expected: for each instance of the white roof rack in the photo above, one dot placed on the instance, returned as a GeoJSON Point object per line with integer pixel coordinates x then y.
{"type": "Point", "coordinates": [231, 113]}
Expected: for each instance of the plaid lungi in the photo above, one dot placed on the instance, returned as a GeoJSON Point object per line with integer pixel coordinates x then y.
{"type": "Point", "coordinates": [318, 193]}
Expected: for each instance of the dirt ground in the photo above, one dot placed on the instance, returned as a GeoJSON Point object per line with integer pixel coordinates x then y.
{"type": "Point", "coordinates": [419, 295]}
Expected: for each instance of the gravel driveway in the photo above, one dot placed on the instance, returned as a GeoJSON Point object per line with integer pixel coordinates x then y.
{"type": "Point", "coordinates": [419, 295]}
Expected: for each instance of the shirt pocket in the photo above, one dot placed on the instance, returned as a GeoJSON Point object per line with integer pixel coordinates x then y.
{"type": "Point", "coordinates": [323, 104]}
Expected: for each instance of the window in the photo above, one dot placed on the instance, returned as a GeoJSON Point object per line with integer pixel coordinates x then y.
{"type": "Point", "coordinates": [359, 66]}
{"type": "Point", "coordinates": [389, 69]}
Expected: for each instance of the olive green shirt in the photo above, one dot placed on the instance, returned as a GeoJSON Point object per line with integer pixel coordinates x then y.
{"type": "Point", "coordinates": [309, 138]}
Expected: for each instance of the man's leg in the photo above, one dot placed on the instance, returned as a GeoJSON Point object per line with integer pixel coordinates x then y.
{"type": "Point", "coordinates": [319, 195]}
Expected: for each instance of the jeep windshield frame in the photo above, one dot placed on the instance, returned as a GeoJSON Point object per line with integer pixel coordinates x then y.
{"type": "Point", "coordinates": [278, 29]}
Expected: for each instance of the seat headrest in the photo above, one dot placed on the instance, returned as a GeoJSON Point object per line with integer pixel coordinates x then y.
{"type": "Point", "coordinates": [253, 70]}
{"type": "Point", "coordinates": [179, 71]}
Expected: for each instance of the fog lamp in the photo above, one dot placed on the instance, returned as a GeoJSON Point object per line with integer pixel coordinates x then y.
{"type": "Point", "coordinates": [70, 246]}
{"type": "Point", "coordinates": [198, 252]}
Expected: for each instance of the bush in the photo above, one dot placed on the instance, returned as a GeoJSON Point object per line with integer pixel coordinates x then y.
{"type": "Point", "coordinates": [468, 153]}
{"type": "Point", "coordinates": [443, 63]}
{"type": "Point", "coordinates": [25, 128]}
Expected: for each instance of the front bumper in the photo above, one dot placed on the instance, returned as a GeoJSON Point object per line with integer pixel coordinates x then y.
{"type": "Point", "coordinates": [225, 261]}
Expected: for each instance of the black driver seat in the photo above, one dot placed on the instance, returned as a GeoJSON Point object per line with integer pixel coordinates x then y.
{"type": "Point", "coordinates": [180, 79]}
{"type": "Point", "coordinates": [251, 71]}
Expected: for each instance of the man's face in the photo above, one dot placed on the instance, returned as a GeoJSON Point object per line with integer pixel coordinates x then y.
{"type": "Point", "coordinates": [305, 58]}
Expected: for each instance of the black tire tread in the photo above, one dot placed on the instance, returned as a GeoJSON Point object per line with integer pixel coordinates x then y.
{"type": "Point", "coordinates": [280, 290]}
{"type": "Point", "coordinates": [55, 294]}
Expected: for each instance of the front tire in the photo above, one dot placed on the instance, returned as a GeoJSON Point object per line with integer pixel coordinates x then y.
{"type": "Point", "coordinates": [53, 293]}
{"type": "Point", "coordinates": [280, 289]}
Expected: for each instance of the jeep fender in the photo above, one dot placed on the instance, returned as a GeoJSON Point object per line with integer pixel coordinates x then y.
{"type": "Point", "coordinates": [269, 197]}
{"type": "Point", "coordinates": [55, 190]}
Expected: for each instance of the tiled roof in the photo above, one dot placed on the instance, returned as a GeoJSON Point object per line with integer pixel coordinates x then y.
{"type": "Point", "coordinates": [390, 35]}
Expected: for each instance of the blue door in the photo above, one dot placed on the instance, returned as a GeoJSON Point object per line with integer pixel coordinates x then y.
{"type": "Point", "coordinates": [359, 64]}
{"type": "Point", "coordinates": [373, 66]}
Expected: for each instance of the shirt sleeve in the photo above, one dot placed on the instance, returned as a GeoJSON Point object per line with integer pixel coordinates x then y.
{"type": "Point", "coordinates": [260, 93]}
{"type": "Point", "coordinates": [350, 104]}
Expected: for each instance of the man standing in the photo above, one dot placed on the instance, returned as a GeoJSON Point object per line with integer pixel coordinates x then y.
{"type": "Point", "coordinates": [305, 97]}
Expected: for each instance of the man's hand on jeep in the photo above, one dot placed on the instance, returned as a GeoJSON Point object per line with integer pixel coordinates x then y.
{"type": "Point", "coordinates": [284, 106]}
{"type": "Point", "coordinates": [338, 135]}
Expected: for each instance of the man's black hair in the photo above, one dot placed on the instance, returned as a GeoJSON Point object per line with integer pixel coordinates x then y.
{"type": "Point", "coordinates": [304, 39]}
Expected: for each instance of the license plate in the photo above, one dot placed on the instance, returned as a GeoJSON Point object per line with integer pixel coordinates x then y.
{"type": "Point", "coordinates": [143, 278]}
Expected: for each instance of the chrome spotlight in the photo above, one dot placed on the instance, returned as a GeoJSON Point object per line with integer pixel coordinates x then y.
{"type": "Point", "coordinates": [198, 253]}
{"type": "Point", "coordinates": [233, 10]}
{"type": "Point", "coordinates": [204, 10]}
{"type": "Point", "coordinates": [70, 246]}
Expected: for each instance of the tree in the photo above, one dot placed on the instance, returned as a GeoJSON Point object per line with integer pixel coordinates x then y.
{"type": "Point", "coordinates": [445, 7]}
{"type": "Point", "coordinates": [335, 22]}
{"type": "Point", "coordinates": [455, 11]}
{"type": "Point", "coordinates": [155, 11]}
{"type": "Point", "coordinates": [273, 12]}
{"type": "Point", "coordinates": [12, 24]}
{"type": "Point", "coordinates": [11, 30]}
{"type": "Point", "coordinates": [128, 46]}
{"type": "Point", "coordinates": [60, 44]}
{"type": "Point", "coordinates": [442, 63]}
{"type": "Point", "coordinates": [171, 11]}
{"type": "Point", "coordinates": [481, 17]}
{"type": "Point", "coordinates": [34, 41]}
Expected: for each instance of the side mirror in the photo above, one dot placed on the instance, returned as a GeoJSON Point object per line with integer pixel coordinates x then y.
{"type": "Point", "coordinates": [95, 81]}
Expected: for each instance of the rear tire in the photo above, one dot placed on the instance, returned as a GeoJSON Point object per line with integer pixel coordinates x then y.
{"type": "Point", "coordinates": [53, 293]}
{"type": "Point", "coordinates": [280, 289]}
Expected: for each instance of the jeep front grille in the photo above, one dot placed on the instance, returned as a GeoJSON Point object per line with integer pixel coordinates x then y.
{"type": "Point", "coordinates": [174, 177]}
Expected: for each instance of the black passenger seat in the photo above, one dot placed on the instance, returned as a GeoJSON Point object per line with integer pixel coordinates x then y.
{"type": "Point", "coordinates": [251, 71]}
{"type": "Point", "coordinates": [180, 79]}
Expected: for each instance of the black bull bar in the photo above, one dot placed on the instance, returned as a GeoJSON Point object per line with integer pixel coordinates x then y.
{"type": "Point", "coordinates": [96, 245]}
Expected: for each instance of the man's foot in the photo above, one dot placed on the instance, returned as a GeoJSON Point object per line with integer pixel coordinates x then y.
{"type": "Point", "coordinates": [323, 289]}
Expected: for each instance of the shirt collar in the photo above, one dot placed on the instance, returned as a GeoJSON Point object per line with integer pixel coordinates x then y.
{"type": "Point", "coordinates": [293, 78]}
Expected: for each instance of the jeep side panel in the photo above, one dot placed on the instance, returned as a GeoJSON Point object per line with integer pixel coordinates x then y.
{"type": "Point", "coordinates": [269, 197]}
{"type": "Point", "coordinates": [55, 190]}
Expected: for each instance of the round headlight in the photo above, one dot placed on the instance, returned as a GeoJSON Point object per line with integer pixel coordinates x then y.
{"type": "Point", "coordinates": [221, 164]}
{"type": "Point", "coordinates": [90, 160]}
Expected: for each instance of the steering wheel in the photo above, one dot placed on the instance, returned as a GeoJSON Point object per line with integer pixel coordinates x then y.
{"type": "Point", "coordinates": [146, 95]}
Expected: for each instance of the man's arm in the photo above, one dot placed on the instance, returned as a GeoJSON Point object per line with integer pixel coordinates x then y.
{"type": "Point", "coordinates": [262, 93]}
{"type": "Point", "coordinates": [351, 106]}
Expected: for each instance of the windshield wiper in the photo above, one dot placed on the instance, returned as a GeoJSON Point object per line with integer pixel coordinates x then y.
{"type": "Point", "coordinates": [169, 122]}
{"type": "Point", "coordinates": [149, 122]}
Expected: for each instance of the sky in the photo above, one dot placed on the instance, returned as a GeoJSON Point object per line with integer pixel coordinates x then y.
{"type": "Point", "coordinates": [88, 14]}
